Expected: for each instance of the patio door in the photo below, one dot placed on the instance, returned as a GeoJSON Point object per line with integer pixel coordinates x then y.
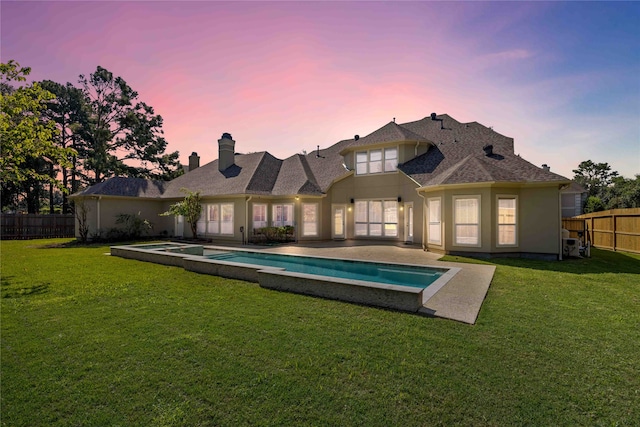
{"type": "Point", "coordinates": [339, 222]}
{"type": "Point", "coordinates": [408, 222]}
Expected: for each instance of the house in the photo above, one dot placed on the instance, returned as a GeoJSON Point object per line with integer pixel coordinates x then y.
{"type": "Point", "coordinates": [448, 186]}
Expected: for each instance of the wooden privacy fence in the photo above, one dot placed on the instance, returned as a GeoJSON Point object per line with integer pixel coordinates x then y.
{"type": "Point", "coordinates": [616, 229]}
{"type": "Point", "coordinates": [35, 226]}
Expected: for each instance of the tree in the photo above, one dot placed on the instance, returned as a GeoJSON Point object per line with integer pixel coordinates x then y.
{"type": "Point", "coordinates": [69, 110]}
{"type": "Point", "coordinates": [120, 132]}
{"type": "Point", "coordinates": [594, 177]}
{"type": "Point", "coordinates": [26, 137]}
{"type": "Point", "coordinates": [624, 193]}
{"type": "Point", "coordinates": [190, 208]}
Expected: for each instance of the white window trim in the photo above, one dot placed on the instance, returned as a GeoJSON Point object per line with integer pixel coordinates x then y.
{"type": "Point", "coordinates": [506, 196]}
{"type": "Point", "coordinates": [317, 220]}
{"type": "Point", "coordinates": [467, 245]}
{"type": "Point", "coordinates": [367, 152]}
{"type": "Point", "coordinates": [429, 223]}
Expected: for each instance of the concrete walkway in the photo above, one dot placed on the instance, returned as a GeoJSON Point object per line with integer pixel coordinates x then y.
{"type": "Point", "coordinates": [460, 299]}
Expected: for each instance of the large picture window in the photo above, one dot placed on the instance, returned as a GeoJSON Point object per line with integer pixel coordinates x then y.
{"type": "Point", "coordinates": [282, 215]}
{"type": "Point", "coordinates": [377, 218]}
{"type": "Point", "coordinates": [435, 221]}
{"type": "Point", "coordinates": [377, 161]}
{"type": "Point", "coordinates": [466, 213]}
{"type": "Point", "coordinates": [259, 216]}
{"type": "Point", "coordinates": [507, 220]}
{"type": "Point", "coordinates": [309, 219]}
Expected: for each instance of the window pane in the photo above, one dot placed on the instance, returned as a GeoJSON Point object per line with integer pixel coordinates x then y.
{"type": "Point", "coordinates": [361, 229]}
{"type": "Point", "coordinates": [259, 216]}
{"type": "Point", "coordinates": [375, 229]}
{"type": "Point", "coordinates": [467, 234]}
{"type": "Point", "coordinates": [309, 219]}
{"type": "Point", "coordinates": [466, 211]}
{"type": "Point", "coordinates": [375, 161]}
{"type": "Point", "coordinates": [361, 211]}
{"type": "Point", "coordinates": [226, 225]}
{"type": "Point", "coordinates": [361, 163]}
{"type": "Point", "coordinates": [506, 211]}
{"type": "Point", "coordinates": [391, 229]}
{"type": "Point", "coordinates": [434, 234]}
{"type": "Point", "coordinates": [361, 168]}
{"type": "Point", "coordinates": [506, 234]}
{"type": "Point", "coordinates": [434, 210]}
{"type": "Point", "coordinates": [391, 211]}
{"type": "Point", "coordinates": [213, 212]}
{"type": "Point", "coordinates": [361, 157]}
{"type": "Point", "coordinates": [375, 211]}
{"type": "Point", "coordinates": [390, 159]}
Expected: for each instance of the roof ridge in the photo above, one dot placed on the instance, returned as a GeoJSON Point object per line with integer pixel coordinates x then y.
{"type": "Point", "coordinates": [311, 178]}
{"type": "Point", "coordinates": [254, 177]}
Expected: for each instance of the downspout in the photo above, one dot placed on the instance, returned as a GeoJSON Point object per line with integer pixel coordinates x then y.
{"type": "Point", "coordinates": [424, 229]}
{"type": "Point", "coordinates": [560, 224]}
{"type": "Point", "coordinates": [246, 217]}
{"type": "Point", "coordinates": [98, 222]}
{"type": "Point", "coordinates": [416, 151]}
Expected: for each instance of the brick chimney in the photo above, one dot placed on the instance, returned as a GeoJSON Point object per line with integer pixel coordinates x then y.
{"type": "Point", "coordinates": [194, 161]}
{"type": "Point", "coordinates": [226, 152]}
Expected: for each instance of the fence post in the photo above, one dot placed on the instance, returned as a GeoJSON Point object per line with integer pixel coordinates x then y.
{"type": "Point", "coordinates": [613, 216]}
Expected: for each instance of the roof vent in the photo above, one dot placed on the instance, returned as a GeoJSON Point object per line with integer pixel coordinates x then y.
{"type": "Point", "coordinates": [357, 137]}
{"type": "Point", "coordinates": [546, 167]}
{"type": "Point", "coordinates": [488, 150]}
{"type": "Point", "coordinates": [433, 116]}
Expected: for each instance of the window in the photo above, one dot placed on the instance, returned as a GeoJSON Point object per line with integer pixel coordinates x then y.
{"type": "Point", "coordinates": [466, 213]}
{"type": "Point", "coordinates": [282, 215]}
{"type": "Point", "coordinates": [390, 159]}
{"type": "Point", "coordinates": [376, 218]}
{"type": "Point", "coordinates": [390, 218]}
{"type": "Point", "coordinates": [435, 222]}
{"type": "Point", "coordinates": [309, 219]}
{"type": "Point", "coordinates": [377, 161]}
{"type": "Point", "coordinates": [507, 211]}
{"type": "Point", "coordinates": [259, 216]}
{"type": "Point", "coordinates": [217, 219]}
{"type": "Point", "coordinates": [361, 163]}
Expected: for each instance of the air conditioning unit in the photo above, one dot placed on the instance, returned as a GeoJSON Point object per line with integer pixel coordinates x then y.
{"type": "Point", "coordinates": [571, 247]}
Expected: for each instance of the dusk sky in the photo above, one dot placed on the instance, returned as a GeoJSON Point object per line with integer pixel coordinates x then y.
{"type": "Point", "coordinates": [562, 79]}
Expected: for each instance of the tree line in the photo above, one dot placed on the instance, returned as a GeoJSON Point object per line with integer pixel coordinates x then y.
{"type": "Point", "coordinates": [606, 189]}
{"type": "Point", "coordinates": [59, 138]}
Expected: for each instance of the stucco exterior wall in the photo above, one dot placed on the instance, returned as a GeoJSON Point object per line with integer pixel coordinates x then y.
{"type": "Point", "coordinates": [540, 224]}
{"type": "Point", "coordinates": [102, 214]}
{"type": "Point", "coordinates": [537, 220]}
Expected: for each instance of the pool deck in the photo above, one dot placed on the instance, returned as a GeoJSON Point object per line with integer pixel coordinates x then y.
{"type": "Point", "coordinates": [460, 299]}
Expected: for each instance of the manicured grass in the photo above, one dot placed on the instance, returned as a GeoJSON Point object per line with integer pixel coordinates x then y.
{"type": "Point", "coordinates": [94, 340]}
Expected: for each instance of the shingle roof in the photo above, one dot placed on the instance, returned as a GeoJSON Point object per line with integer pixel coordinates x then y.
{"type": "Point", "coordinates": [455, 156]}
{"type": "Point", "coordinates": [391, 132]}
{"type": "Point", "coordinates": [239, 178]}
{"type": "Point", "coordinates": [126, 187]}
{"type": "Point", "coordinates": [458, 156]}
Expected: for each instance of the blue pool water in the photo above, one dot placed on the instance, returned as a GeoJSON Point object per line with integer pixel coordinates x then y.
{"type": "Point", "coordinates": [405, 275]}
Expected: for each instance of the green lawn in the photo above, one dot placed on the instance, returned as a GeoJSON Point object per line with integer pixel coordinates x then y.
{"type": "Point", "coordinates": [94, 340]}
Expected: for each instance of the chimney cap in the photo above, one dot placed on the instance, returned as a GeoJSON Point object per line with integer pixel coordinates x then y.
{"type": "Point", "coordinates": [194, 154]}
{"type": "Point", "coordinates": [226, 135]}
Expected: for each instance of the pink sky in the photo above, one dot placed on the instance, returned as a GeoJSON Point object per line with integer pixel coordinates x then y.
{"type": "Point", "coordinates": [287, 76]}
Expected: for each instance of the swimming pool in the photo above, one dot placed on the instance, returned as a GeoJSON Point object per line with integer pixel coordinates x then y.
{"type": "Point", "coordinates": [394, 274]}
{"type": "Point", "coordinates": [405, 287]}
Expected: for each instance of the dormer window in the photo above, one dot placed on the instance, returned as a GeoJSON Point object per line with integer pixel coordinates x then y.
{"type": "Point", "coordinates": [376, 161]}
